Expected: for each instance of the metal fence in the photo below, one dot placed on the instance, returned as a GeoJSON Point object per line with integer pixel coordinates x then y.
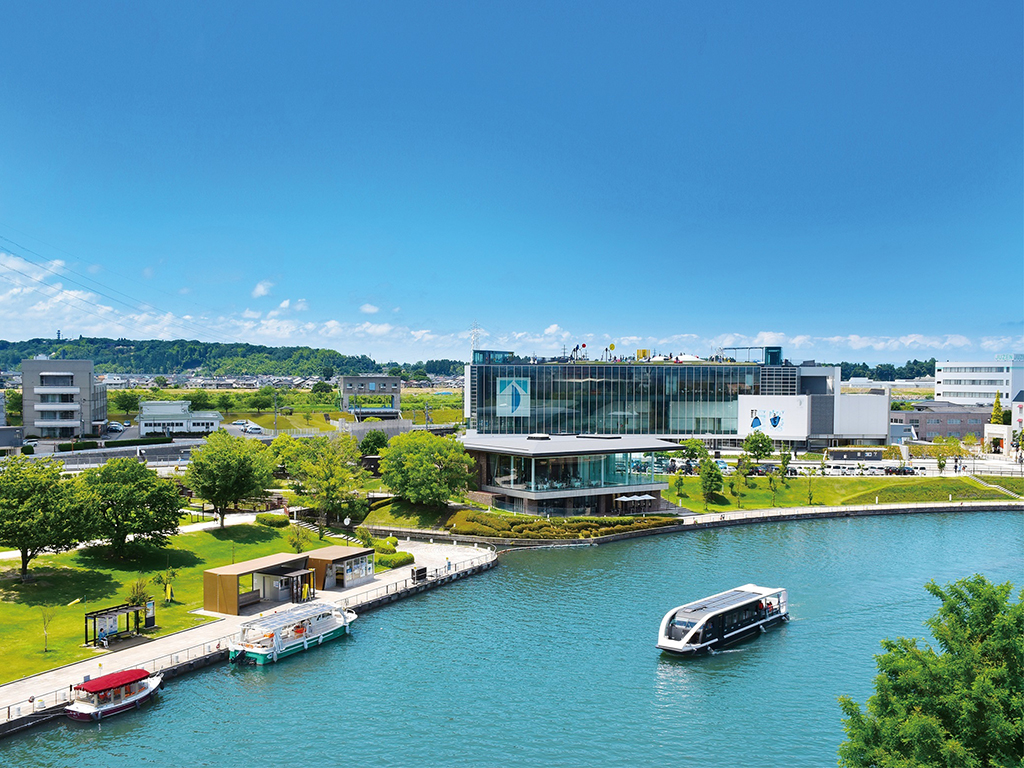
{"type": "Point", "coordinates": [368, 596]}
{"type": "Point", "coordinates": [63, 695]}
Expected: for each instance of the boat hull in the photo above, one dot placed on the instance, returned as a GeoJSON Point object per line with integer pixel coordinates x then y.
{"type": "Point", "coordinates": [724, 642]}
{"type": "Point", "coordinates": [88, 714]}
{"type": "Point", "coordinates": [262, 656]}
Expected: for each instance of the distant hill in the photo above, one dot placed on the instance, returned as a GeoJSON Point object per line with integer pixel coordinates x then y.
{"type": "Point", "coordinates": [179, 356]}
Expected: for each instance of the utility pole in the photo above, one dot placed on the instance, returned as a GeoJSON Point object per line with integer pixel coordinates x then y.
{"type": "Point", "coordinates": [275, 410]}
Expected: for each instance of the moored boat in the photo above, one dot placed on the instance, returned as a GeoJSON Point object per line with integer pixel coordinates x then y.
{"type": "Point", "coordinates": [107, 695]}
{"type": "Point", "coordinates": [270, 638]}
{"type": "Point", "coordinates": [721, 620]}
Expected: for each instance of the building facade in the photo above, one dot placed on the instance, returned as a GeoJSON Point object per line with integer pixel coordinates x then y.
{"type": "Point", "coordinates": [976, 383]}
{"type": "Point", "coordinates": [169, 417]}
{"type": "Point", "coordinates": [720, 403]}
{"type": "Point", "coordinates": [931, 419]}
{"type": "Point", "coordinates": [61, 399]}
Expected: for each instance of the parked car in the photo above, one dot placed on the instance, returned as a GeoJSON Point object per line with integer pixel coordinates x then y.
{"type": "Point", "coordinates": [127, 423]}
{"type": "Point", "coordinates": [253, 429]}
{"type": "Point", "coordinates": [239, 423]}
{"type": "Point", "coordinates": [114, 427]}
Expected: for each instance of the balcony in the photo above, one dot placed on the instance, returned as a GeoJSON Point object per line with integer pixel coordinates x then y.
{"type": "Point", "coordinates": [57, 423]}
{"type": "Point", "coordinates": [57, 406]}
{"type": "Point", "coordinates": [57, 390]}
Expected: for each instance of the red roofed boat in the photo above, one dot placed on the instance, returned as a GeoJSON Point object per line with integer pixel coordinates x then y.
{"type": "Point", "coordinates": [107, 695]}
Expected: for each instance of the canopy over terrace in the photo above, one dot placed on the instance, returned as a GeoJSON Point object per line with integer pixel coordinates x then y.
{"type": "Point", "coordinates": [566, 474]}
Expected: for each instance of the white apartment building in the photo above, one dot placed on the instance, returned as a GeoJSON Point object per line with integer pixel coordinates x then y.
{"type": "Point", "coordinates": [976, 383]}
{"type": "Point", "coordinates": [169, 417]}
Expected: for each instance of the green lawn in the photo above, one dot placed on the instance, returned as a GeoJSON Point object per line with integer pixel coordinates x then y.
{"type": "Point", "coordinates": [831, 491]}
{"type": "Point", "coordinates": [1015, 484]}
{"type": "Point", "coordinates": [104, 581]}
{"type": "Point", "coordinates": [402, 514]}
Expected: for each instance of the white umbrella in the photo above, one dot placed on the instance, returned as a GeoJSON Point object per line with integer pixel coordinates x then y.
{"type": "Point", "coordinates": [645, 497]}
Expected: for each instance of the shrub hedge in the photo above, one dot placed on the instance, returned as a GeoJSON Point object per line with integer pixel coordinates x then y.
{"type": "Point", "coordinates": [471, 523]}
{"type": "Point", "coordinates": [27, 450]}
{"type": "Point", "coordinates": [271, 520]}
{"type": "Point", "coordinates": [79, 445]}
{"type": "Point", "coordinates": [396, 560]}
{"type": "Point", "coordinates": [142, 441]}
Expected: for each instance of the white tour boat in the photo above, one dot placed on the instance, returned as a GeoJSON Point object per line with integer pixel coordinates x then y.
{"type": "Point", "coordinates": [723, 619]}
{"type": "Point", "coordinates": [269, 638]}
{"type": "Point", "coordinates": [109, 694]}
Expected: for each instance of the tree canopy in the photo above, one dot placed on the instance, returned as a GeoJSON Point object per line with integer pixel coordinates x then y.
{"type": "Point", "coordinates": [131, 502]}
{"type": "Point", "coordinates": [373, 443]}
{"type": "Point", "coordinates": [126, 400]}
{"type": "Point", "coordinates": [331, 472]}
{"type": "Point", "coordinates": [710, 480]}
{"type": "Point", "coordinates": [426, 469]}
{"type": "Point", "coordinates": [39, 510]}
{"type": "Point", "coordinates": [961, 706]}
{"type": "Point", "coordinates": [692, 449]}
{"type": "Point", "coordinates": [758, 445]}
{"type": "Point", "coordinates": [997, 411]}
{"type": "Point", "coordinates": [228, 470]}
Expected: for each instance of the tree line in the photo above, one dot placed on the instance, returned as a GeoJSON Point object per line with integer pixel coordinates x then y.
{"type": "Point", "coordinates": [913, 369]}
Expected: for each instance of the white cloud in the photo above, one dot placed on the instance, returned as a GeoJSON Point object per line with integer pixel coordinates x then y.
{"type": "Point", "coordinates": [148, 273]}
{"type": "Point", "coordinates": [262, 288]}
{"type": "Point", "coordinates": [185, 291]}
{"type": "Point", "coordinates": [285, 304]}
{"type": "Point", "coordinates": [301, 305]}
{"type": "Point", "coordinates": [251, 314]}
{"type": "Point", "coordinates": [369, 309]}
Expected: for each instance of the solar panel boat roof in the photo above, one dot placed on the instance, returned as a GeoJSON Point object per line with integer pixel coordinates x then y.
{"type": "Point", "coordinates": [709, 605]}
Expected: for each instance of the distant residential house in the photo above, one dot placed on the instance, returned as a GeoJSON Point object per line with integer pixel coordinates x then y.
{"type": "Point", "coordinates": [167, 417]}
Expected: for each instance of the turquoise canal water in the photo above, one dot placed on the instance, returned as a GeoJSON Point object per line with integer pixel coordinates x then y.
{"type": "Point", "coordinates": [549, 660]}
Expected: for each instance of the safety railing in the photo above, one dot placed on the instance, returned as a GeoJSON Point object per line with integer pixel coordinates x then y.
{"type": "Point", "coordinates": [43, 701]}
{"type": "Point", "coordinates": [437, 574]}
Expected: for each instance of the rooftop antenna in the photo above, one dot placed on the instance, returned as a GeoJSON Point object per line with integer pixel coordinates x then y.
{"type": "Point", "coordinates": [474, 335]}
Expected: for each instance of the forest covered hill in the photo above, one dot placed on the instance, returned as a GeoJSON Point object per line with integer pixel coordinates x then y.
{"type": "Point", "coordinates": [178, 356]}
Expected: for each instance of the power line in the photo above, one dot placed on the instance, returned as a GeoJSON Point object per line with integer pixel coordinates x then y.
{"type": "Point", "coordinates": [134, 305]}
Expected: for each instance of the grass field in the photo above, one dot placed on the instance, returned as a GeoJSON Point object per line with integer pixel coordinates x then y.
{"type": "Point", "coordinates": [831, 491]}
{"type": "Point", "coordinates": [401, 514]}
{"type": "Point", "coordinates": [1015, 484]}
{"type": "Point", "coordinates": [104, 581]}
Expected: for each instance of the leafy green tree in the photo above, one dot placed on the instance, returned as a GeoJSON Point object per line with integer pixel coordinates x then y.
{"type": "Point", "coordinates": [126, 400]}
{"type": "Point", "coordinates": [426, 469]}
{"type": "Point", "coordinates": [225, 402]}
{"type": "Point", "coordinates": [13, 402]}
{"type": "Point", "coordinates": [327, 372]}
{"type": "Point", "coordinates": [394, 371]}
{"type": "Point", "coordinates": [332, 474]}
{"type": "Point", "coordinates": [260, 402]}
{"type": "Point", "coordinates": [710, 480]}
{"type": "Point", "coordinates": [758, 445]}
{"type": "Point", "coordinates": [160, 381]}
{"type": "Point", "coordinates": [960, 706]}
{"type": "Point", "coordinates": [228, 470]}
{"type": "Point", "coordinates": [997, 411]}
{"type": "Point", "coordinates": [680, 485]}
{"type": "Point", "coordinates": [785, 457]}
{"type": "Point", "coordinates": [743, 469]}
{"type": "Point", "coordinates": [131, 502]}
{"type": "Point", "coordinates": [39, 511]}
{"type": "Point", "coordinates": [138, 591]}
{"type": "Point", "coordinates": [298, 538]}
{"type": "Point", "coordinates": [810, 472]}
{"type": "Point", "coordinates": [692, 449]}
{"type": "Point", "coordinates": [373, 443]}
{"type": "Point", "coordinates": [322, 388]}
{"type": "Point", "coordinates": [200, 400]}
{"type": "Point", "coordinates": [773, 482]}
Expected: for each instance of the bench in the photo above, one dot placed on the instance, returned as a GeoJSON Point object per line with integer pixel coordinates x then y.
{"type": "Point", "coordinates": [248, 598]}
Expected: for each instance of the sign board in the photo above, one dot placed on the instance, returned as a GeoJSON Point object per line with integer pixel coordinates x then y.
{"type": "Point", "coordinates": [513, 397]}
{"type": "Point", "coordinates": [150, 613]}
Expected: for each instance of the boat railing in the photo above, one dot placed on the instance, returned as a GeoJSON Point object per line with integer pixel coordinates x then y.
{"type": "Point", "coordinates": [437, 574]}
{"type": "Point", "coordinates": [44, 701]}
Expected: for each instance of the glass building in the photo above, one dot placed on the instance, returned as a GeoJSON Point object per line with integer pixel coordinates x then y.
{"type": "Point", "coordinates": [617, 398]}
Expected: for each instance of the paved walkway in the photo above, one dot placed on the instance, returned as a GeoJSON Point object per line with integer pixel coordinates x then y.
{"type": "Point", "coordinates": [201, 640]}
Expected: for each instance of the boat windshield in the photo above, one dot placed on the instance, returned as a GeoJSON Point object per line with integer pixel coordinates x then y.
{"type": "Point", "coordinates": [683, 623]}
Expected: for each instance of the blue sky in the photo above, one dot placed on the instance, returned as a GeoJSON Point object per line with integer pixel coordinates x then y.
{"type": "Point", "coordinates": [842, 179]}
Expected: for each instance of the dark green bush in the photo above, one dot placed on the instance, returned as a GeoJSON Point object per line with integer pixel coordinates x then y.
{"type": "Point", "coordinates": [396, 560]}
{"type": "Point", "coordinates": [142, 441]}
{"type": "Point", "coordinates": [272, 520]}
{"type": "Point", "coordinates": [80, 445]}
{"type": "Point", "coordinates": [27, 450]}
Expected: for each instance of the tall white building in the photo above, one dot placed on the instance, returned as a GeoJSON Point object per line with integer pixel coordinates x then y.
{"type": "Point", "coordinates": [976, 383]}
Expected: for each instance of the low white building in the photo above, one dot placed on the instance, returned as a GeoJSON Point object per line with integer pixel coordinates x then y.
{"type": "Point", "coordinates": [168, 417]}
{"type": "Point", "coordinates": [976, 383]}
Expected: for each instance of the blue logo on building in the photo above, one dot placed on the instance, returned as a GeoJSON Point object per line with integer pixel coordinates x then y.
{"type": "Point", "coordinates": [513, 397]}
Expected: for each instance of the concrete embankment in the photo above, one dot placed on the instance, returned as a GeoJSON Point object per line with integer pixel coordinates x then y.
{"type": "Point", "coordinates": [40, 698]}
{"type": "Point", "coordinates": [711, 520]}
